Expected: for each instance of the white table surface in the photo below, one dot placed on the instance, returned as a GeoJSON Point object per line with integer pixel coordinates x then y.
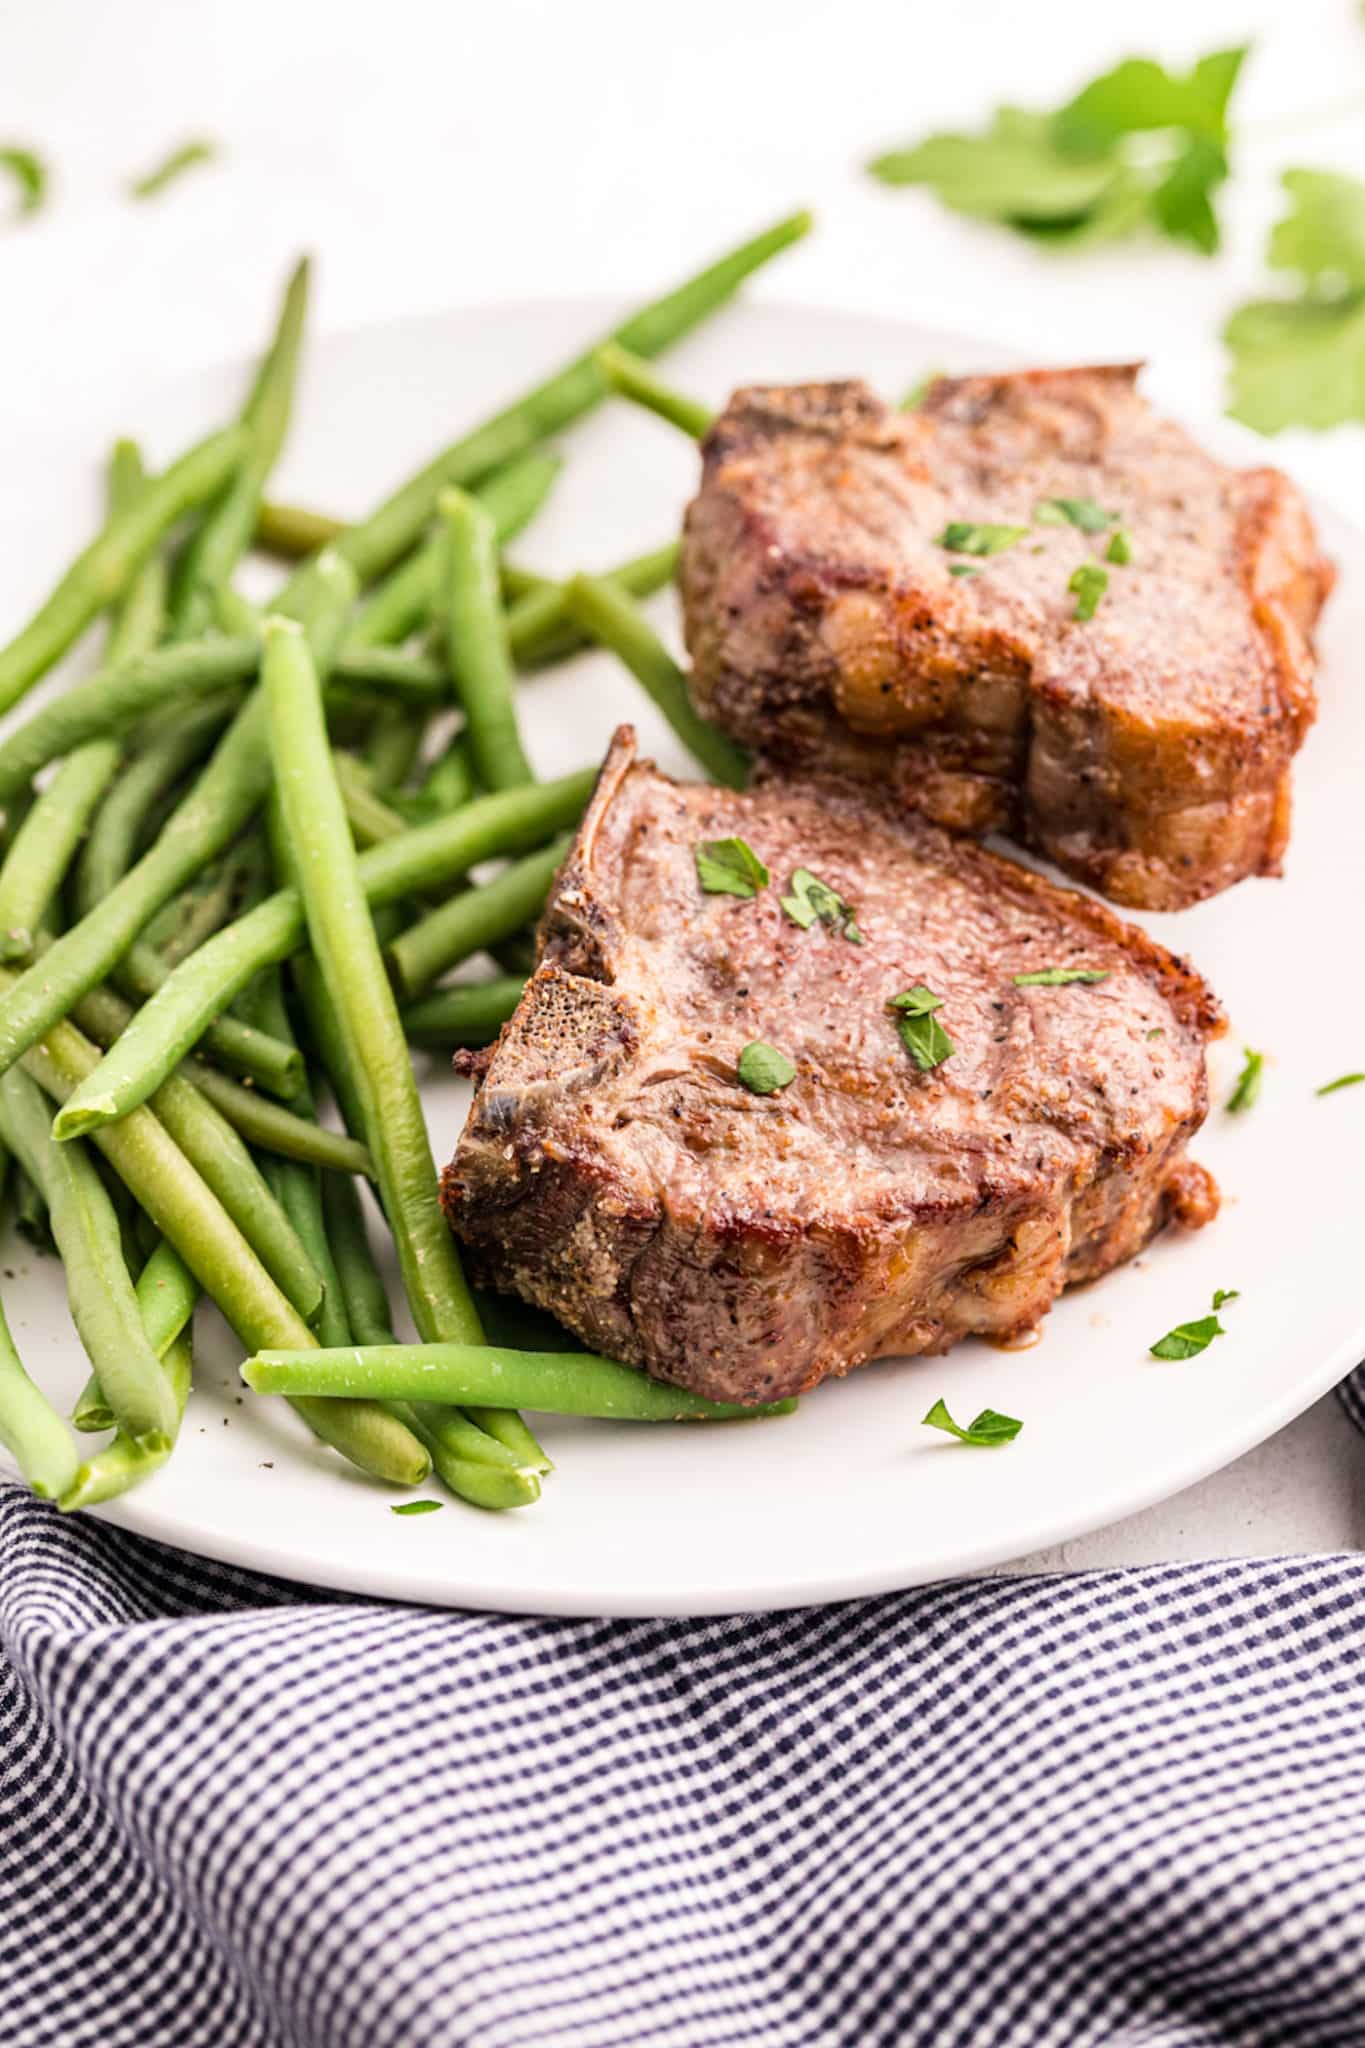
{"type": "Point", "coordinates": [432, 153]}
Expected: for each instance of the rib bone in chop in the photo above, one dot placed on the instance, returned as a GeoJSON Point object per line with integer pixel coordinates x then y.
{"type": "Point", "coordinates": [616, 1170]}
{"type": "Point", "coordinates": [1146, 749]}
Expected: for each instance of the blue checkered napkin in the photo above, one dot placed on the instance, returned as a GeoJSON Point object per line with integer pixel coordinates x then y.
{"type": "Point", "coordinates": [1113, 1809]}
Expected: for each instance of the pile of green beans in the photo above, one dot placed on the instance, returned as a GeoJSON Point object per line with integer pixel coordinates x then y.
{"type": "Point", "coordinates": [236, 862]}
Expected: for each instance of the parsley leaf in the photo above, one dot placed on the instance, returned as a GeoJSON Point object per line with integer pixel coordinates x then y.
{"type": "Point", "coordinates": [1138, 144]}
{"type": "Point", "coordinates": [1089, 583]}
{"type": "Point", "coordinates": [811, 899]}
{"type": "Point", "coordinates": [1082, 512]}
{"type": "Point", "coordinates": [29, 173]}
{"type": "Point", "coordinates": [964, 538]}
{"type": "Point", "coordinates": [1222, 1294]}
{"type": "Point", "coordinates": [1248, 1081]}
{"type": "Point", "coordinates": [1301, 361]}
{"type": "Point", "coordinates": [1342, 1081]}
{"type": "Point", "coordinates": [416, 1507]}
{"type": "Point", "coordinates": [1120, 549]}
{"type": "Point", "coordinates": [166, 172]}
{"type": "Point", "coordinates": [919, 391]}
{"type": "Point", "coordinates": [964, 568]}
{"type": "Point", "coordinates": [923, 1037]}
{"type": "Point", "coordinates": [1059, 977]}
{"type": "Point", "coordinates": [1187, 1340]}
{"type": "Point", "coordinates": [988, 1428]}
{"type": "Point", "coordinates": [729, 867]}
{"type": "Point", "coordinates": [763, 1069]}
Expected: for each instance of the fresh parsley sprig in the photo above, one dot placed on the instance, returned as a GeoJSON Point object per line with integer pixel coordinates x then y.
{"type": "Point", "coordinates": [729, 867]}
{"type": "Point", "coordinates": [1138, 146]}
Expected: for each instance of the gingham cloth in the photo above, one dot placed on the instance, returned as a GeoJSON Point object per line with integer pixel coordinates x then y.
{"type": "Point", "coordinates": [1109, 1809]}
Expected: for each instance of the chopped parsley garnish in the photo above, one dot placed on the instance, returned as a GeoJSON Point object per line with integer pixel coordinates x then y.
{"type": "Point", "coordinates": [1187, 1340]}
{"type": "Point", "coordinates": [1342, 1081]}
{"type": "Point", "coordinates": [1089, 583]}
{"type": "Point", "coordinates": [416, 1507]}
{"type": "Point", "coordinates": [988, 1428]}
{"type": "Point", "coordinates": [29, 173]}
{"type": "Point", "coordinates": [729, 867]}
{"type": "Point", "coordinates": [961, 537]}
{"type": "Point", "coordinates": [811, 899]}
{"type": "Point", "coordinates": [964, 568]}
{"type": "Point", "coordinates": [763, 1069]}
{"type": "Point", "coordinates": [919, 391]}
{"type": "Point", "coordinates": [1059, 977]}
{"type": "Point", "coordinates": [1248, 1081]}
{"type": "Point", "coordinates": [1120, 549]}
{"type": "Point", "coordinates": [923, 1037]}
{"type": "Point", "coordinates": [1082, 512]}
{"type": "Point", "coordinates": [165, 173]}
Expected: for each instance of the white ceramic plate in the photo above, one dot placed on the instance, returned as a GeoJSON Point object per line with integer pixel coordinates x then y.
{"type": "Point", "coordinates": [851, 1495]}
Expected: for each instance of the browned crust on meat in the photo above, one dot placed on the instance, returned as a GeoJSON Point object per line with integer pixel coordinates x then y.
{"type": "Point", "coordinates": [614, 1171]}
{"type": "Point", "coordinates": [1147, 751]}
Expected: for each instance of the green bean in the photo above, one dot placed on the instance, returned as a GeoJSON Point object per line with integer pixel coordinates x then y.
{"type": "Point", "coordinates": [485, 1480]}
{"type": "Point", "coordinates": [362, 1289]}
{"type": "Point", "coordinates": [604, 611]}
{"type": "Point", "coordinates": [206, 908]}
{"type": "Point", "coordinates": [31, 1430]}
{"type": "Point", "coordinates": [394, 745]}
{"type": "Point", "coordinates": [347, 953]}
{"type": "Point", "coordinates": [370, 818]}
{"type": "Point", "coordinates": [163, 1183]}
{"type": "Point", "coordinates": [412, 678]}
{"type": "Point", "coordinates": [509, 496]}
{"type": "Point", "coordinates": [226, 795]}
{"type": "Point", "coordinates": [103, 1016]}
{"type": "Point", "coordinates": [103, 572]}
{"type": "Point", "coordinates": [216, 1151]}
{"type": "Point", "coordinates": [276, 1129]}
{"type": "Point", "coordinates": [200, 989]}
{"type": "Point", "coordinates": [561, 399]}
{"type": "Point", "coordinates": [556, 1382]}
{"type": "Point", "coordinates": [539, 629]}
{"type": "Point", "coordinates": [294, 530]}
{"type": "Point", "coordinates": [108, 852]}
{"type": "Point", "coordinates": [471, 1014]}
{"type": "Point", "coordinates": [84, 1223]}
{"type": "Point", "coordinates": [45, 844]}
{"type": "Point", "coordinates": [30, 1212]}
{"type": "Point", "coordinates": [239, 1045]}
{"type": "Point", "coordinates": [116, 698]}
{"type": "Point", "coordinates": [472, 922]}
{"type": "Point", "coordinates": [476, 646]}
{"type": "Point", "coordinates": [224, 534]}
{"type": "Point", "coordinates": [138, 617]}
{"type": "Point", "coordinates": [124, 1463]}
{"type": "Point", "coordinates": [166, 1295]}
{"type": "Point", "coordinates": [633, 378]}
{"type": "Point", "coordinates": [449, 780]}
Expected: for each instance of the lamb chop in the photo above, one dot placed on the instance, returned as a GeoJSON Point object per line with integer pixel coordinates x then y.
{"type": "Point", "coordinates": [746, 1133]}
{"type": "Point", "coordinates": [890, 595]}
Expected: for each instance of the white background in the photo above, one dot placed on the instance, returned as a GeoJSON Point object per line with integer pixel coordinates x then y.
{"type": "Point", "coordinates": [438, 153]}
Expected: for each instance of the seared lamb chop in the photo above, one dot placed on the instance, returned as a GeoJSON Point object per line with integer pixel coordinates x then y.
{"type": "Point", "coordinates": [617, 1170]}
{"type": "Point", "coordinates": [833, 624]}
